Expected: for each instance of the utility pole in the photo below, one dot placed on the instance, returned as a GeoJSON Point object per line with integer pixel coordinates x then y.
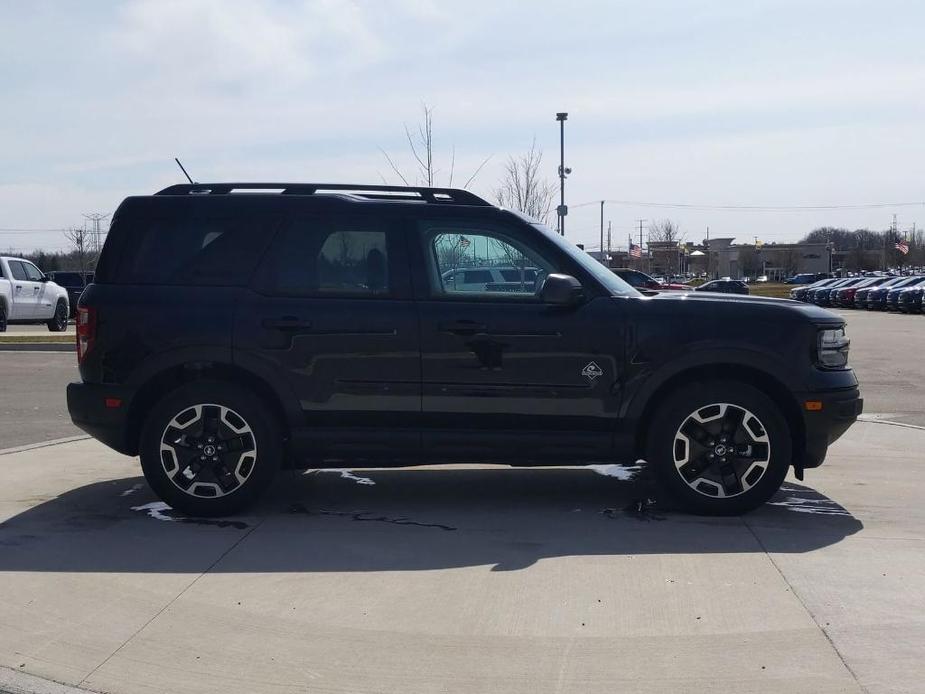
{"type": "Point", "coordinates": [641, 222]}
{"type": "Point", "coordinates": [603, 257]}
{"type": "Point", "coordinates": [96, 218]}
{"type": "Point", "coordinates": [562, 210]}
{"type": "Point", "coordinates": [707, 244]}
{"type": "Point", "coordinates": [608, 242]}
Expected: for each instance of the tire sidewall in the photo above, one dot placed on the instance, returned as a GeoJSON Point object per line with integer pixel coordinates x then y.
{"type": "Point", "coordinates": [682, 403]}
{"type": "Point", "coordinates": [54, 325]}
{"type": "Point", "coordinates": [248, 405]}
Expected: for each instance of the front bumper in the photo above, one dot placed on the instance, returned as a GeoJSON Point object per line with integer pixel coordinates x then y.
{"type": "Point", "coordinates": [840, 409]}
{"type": "Point", "coordinates": [93, 408]}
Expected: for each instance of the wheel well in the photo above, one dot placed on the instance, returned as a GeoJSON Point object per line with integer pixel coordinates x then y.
{"type": "Point", "coordinates": [769, 385]}
{"type": "Point", "coordinates": [166, 381]}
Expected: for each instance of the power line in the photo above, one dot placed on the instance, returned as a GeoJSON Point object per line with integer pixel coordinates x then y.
{"type": "Point", "coordinates": [754, 208]}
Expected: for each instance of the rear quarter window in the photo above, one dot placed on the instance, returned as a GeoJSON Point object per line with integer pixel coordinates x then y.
{"type": "Point", "coordinates": [197, 251]}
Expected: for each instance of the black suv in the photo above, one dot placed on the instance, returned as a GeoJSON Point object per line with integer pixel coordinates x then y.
{"type": "Point", "coordinates": [235, 328]}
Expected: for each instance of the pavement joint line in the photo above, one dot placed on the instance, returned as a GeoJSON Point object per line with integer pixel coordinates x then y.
{"type": "Point", "coordinates": [889, 422]}
{"type": "Point", "coordinates": [799, 599]}
{"type": "Point", "coordinates": [43, 444]}
{"type": "Point", "coordinates": [161, 611]}
{"type": "Point", "coordinates": [14, 681]}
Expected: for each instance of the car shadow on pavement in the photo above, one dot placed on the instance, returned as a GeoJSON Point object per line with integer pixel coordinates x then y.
{"type": "Point", "coordinates": [402, 520]}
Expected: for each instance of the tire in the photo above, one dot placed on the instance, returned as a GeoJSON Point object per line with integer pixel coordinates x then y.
{"type": "Point", "coordinates": [3, 317]}
{"type": "Point", "coordinates": [58, 322]}
{"type": "Point", "coordinates": [688, 428]}
{"type": "Point", "coordinates": [180, 464]}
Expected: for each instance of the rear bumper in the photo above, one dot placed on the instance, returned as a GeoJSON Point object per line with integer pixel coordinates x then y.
{"type": "Point", "coordinates": [840, 409]}
{"type": "Point", "coordinates": [93, 408]}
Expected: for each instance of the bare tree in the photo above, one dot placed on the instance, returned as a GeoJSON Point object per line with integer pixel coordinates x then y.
{"type": "Point", "coordinates": [749, 261]}
{"type": "Point", "coordinates": [665, 231]}
{"type": "Point", "coordinates": [523, 188]}
{"type": "Point", "coordinates": [83, 247]}
{"type": "Point", "coordinates": [421, 145]}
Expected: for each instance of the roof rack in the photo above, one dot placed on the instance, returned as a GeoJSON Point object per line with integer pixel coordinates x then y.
{"type": "Point", "coordinates": [447, 196]}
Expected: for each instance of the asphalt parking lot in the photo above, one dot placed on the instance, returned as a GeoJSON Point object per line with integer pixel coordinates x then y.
{"type": "Point", "coordinates": [468, 578]}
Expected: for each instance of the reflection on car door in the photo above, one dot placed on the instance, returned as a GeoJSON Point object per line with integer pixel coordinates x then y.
{"type": "Point", "coordinates": [41, 305]}
{"type": "Point", "coordinates": [333, 318]}
{"type": "Point", "coordinates": [501, 369]}
{"type": "Point", "coordinates": [25, 292]}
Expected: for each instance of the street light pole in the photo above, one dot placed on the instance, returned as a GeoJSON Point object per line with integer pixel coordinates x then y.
{"type": "Point", "coordinates": [562, 210]}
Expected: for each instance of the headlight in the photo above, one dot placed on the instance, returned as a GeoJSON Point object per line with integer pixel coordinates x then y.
{"type": "Point", "coordinates": [833, 348]}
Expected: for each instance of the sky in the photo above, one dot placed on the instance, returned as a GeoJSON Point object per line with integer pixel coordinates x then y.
{"type": "Point", "coordinates": [710, 103]}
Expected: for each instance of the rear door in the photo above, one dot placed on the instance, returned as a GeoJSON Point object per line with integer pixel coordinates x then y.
{"type": "Point", "coordinates": [331, 315]}
{"type": "Point", "coordinates": [25, 292]}
{"type": "Point", "coordinates": [505, 376]}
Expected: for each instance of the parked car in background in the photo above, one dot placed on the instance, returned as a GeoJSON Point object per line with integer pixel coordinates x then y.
{"type": "Point", "coordinates": [844, 296]}
{"type": "Point", "coordinates": [807, 278]}
{"type": "Point", "coordinates": [821, 295]}
{"type": "Point", "coordinates": [74, 283]}
{"type": "Point", "coordinates": [892, 296]}
{"type": "Point", "coordinates": [910, 299]}
{"type": "Point", "coordinates": [860, 296]}
{"type": "Point", "coordinates": [800, 293]}
{"type": "Point", "coordinates": [724, 287]}
{"type": "Point", "coordinates": [27, 295]}
{"type": "Point", "coordinates": [877, 297]}
{"type": "Point", "coordinates": [493, 278]}
{"type": "Point", "coordinates": [641, 280]}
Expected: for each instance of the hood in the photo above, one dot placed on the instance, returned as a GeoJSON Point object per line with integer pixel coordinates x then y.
{"type": "Point", "coordinates": [736, 304]}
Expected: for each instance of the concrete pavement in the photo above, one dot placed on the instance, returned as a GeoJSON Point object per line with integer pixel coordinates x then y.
{"type": "Point", "coordinates": [466, 579]}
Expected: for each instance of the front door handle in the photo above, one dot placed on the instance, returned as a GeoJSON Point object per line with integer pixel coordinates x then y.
{"type": "Point", "coordinates": [463, 327]}
{"type": "Point", "coordinates": [288, 323]}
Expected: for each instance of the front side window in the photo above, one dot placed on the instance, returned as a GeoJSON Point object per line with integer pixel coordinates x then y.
{"type": "Point", "coordinates": [312, 257]}
{"type": "Point", "coordinates": [473, 262]}
{"type": "Point", "coordinates": [33, 274]}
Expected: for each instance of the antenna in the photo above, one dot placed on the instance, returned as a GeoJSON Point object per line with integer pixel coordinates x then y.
{"type": "Point", "coordinates": [184, 171]}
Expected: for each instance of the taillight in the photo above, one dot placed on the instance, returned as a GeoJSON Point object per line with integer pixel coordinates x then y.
{"type": "Point", "coordinates": [86, 331]}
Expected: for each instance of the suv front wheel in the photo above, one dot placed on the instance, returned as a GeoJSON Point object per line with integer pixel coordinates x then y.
{"type": "Point", "coordinates": [210, 448]}
{"type": "Point", "coordinates": [719, 448]}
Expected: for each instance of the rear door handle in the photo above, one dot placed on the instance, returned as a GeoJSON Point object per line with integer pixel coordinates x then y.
{"type": "Point", "coordinates": [463, 327]}
{"type": "Point", "coordinates": [287, 323]}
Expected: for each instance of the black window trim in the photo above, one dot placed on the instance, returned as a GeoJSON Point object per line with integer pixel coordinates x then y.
{"type": "Point", "coordinates": [397, 258]}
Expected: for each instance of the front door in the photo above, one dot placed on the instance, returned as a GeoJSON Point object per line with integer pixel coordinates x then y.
{"type": "Point", "coordinates": [332, 316]}
{"type": "Point", "coordinates": [505, 376]}
{"type": "Point", "coordinates": [41, 304]}
{"type": "Point", "coordinates": [25, 292]}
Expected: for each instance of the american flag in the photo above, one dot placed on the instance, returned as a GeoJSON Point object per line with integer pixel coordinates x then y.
{"type": "Point", "coordinates": [635, 251]}
{"type": "Point", "coordinates": [902, 246]}
{"type": "Point", "coordinates": [463, 242]}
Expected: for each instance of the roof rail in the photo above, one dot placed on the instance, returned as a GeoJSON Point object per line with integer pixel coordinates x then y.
{"type": "Point", "coordinates": [449, 196]}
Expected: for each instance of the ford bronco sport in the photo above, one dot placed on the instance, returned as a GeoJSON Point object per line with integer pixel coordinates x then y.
{"type": "Point", "coordinates": [232, 329]}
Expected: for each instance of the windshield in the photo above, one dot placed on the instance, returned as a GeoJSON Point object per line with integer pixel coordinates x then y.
{"type": "Point", "coordinates": [613, 284]}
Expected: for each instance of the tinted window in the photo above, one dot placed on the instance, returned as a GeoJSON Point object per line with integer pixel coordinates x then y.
{"type": "Point", "coordinates": [17, 269]}
{"type": "Point", "coordinates": [518, 275]}
{"type": "Point", "coordinates": [316, 257]}
{"type": "Point", "coordinates": [462, 257]}
{"type": "Point", "coordinates": [193, 251]}
{"type": "Point", "coordinates": [70, 279]}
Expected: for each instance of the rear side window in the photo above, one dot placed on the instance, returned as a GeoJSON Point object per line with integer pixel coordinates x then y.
{"type": "Point", "coordinates": [17, 270]}
{"type": "Point", "coordinates": [210, 251]}
{"type": "Point", "coordinates": [315, 256]}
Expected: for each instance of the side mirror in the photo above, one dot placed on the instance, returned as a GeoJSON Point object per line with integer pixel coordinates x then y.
{"type": "Point", "coordinates": [45, 278]}
{"type": "Point", "coordinates": [561, 290]}
{"type": "Point", "coordinates": [652, 284]}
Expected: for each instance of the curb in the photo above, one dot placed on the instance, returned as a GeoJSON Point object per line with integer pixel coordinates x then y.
{"type": "Point", "coordinates": [37, 347]}
{"type": "Point", "coordinates": [16, 682]}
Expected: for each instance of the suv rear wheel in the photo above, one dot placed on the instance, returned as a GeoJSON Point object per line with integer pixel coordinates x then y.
{"type": "Point", "coordinates": [719, 448]}
{"type": "Point", "coordinates": [210, 448]}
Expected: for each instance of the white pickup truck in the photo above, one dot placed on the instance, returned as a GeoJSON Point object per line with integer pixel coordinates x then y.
{"type": "Point", "coordinates": [28, 296]}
